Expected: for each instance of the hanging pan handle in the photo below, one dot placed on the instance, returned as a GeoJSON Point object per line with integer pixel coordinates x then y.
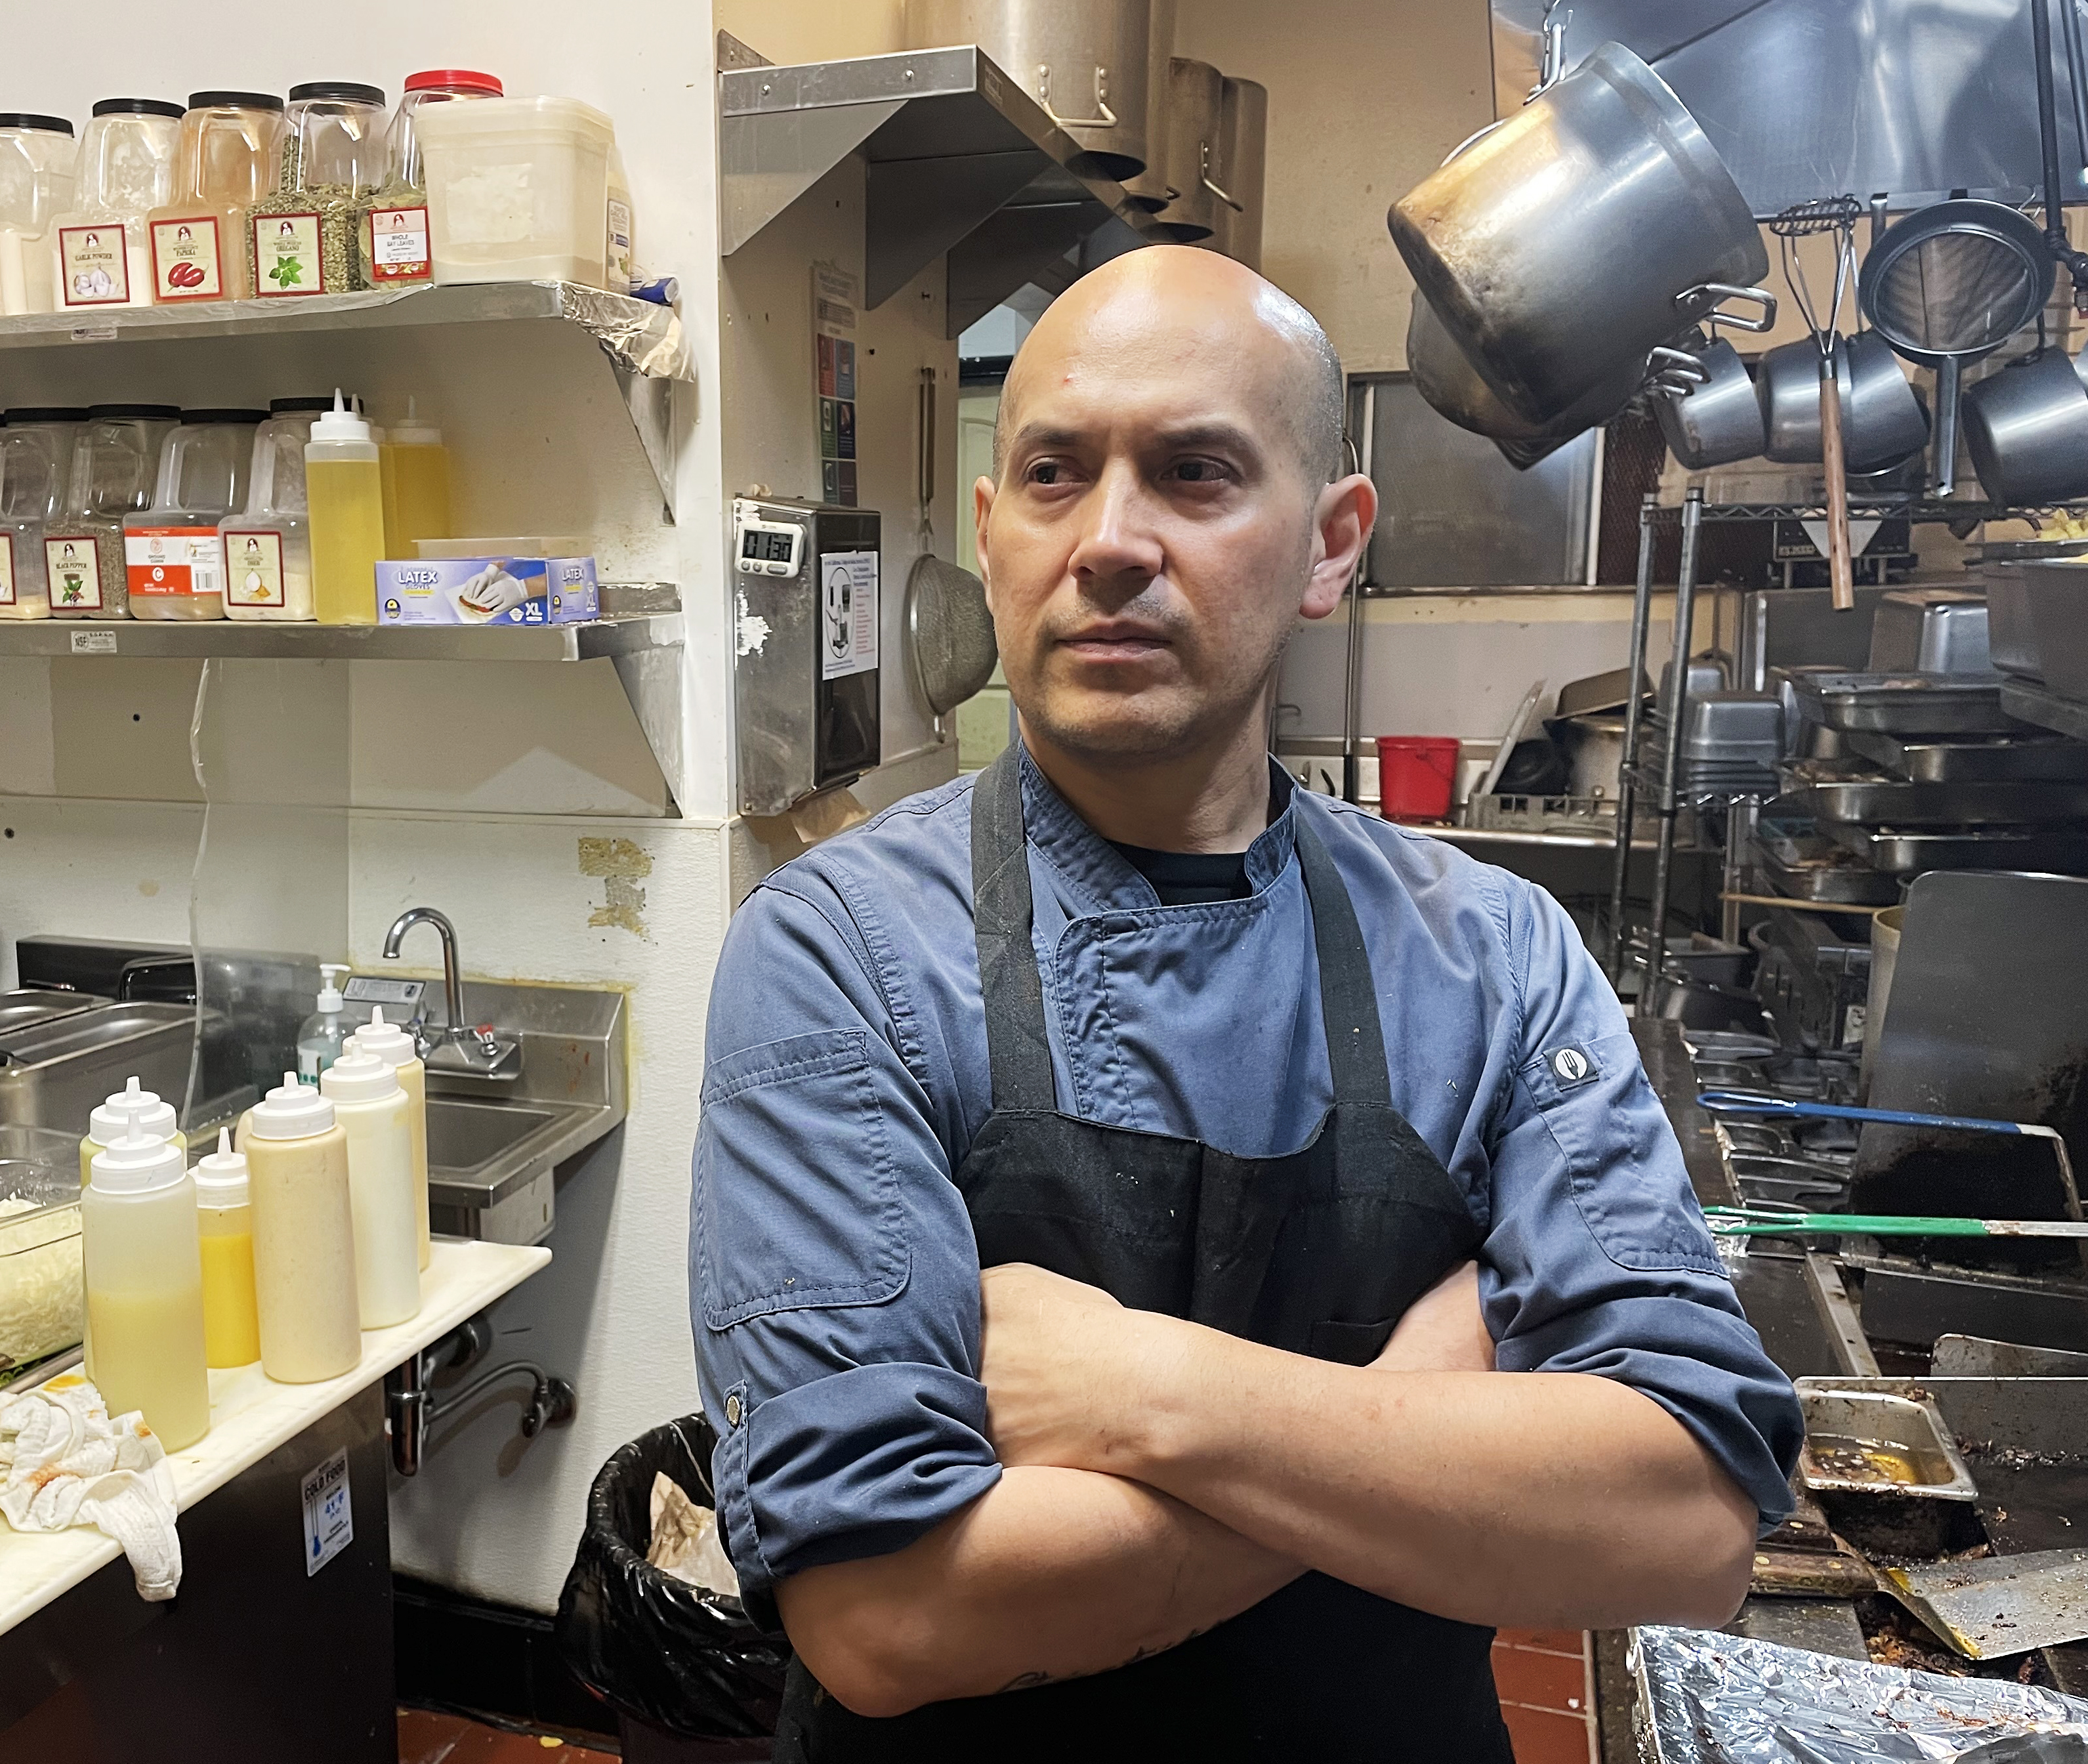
{"type": "Point", "coordinates": [1237, 207]}
{"type": "Point", "coordinates": [1707, 300]}
{"type": "Point", "coordinates": [1103, 118]}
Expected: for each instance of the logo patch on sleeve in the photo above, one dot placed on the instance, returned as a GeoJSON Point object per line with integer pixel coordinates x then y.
{"type": "Point", "coordinates": [1572, 1066]}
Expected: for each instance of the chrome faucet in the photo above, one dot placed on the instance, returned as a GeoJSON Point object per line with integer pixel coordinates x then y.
{"type": "Point", "coordinates": [461, 1046]}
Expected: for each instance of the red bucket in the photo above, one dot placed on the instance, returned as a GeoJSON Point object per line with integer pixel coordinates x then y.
{"type": "Point", "coordinates": [1417, 776]}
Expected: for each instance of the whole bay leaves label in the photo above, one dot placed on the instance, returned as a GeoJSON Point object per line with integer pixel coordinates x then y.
{"type": "Point", "coordinates": [6, 569]}
{"type": "Point", "coordinates": [399, 245]}
{"type": "Point", "coordinates": [254, 569]}
{"type": "Point", "coordinates": [186, 263]}
{"type": "Point", "coordinates": [93, 266]}
{"type": "Point", "coordinates": [73, 568]}
{"type": "Point", "coordinates": [286, 256]}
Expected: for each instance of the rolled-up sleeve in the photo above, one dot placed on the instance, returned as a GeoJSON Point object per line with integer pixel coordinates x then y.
{"type": "Point", "coordinates": [1598, 1259]}
{"type": "Point", "coordinates": [833, 1275]}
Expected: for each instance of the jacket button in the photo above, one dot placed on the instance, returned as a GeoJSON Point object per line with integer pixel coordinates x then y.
{"type": "Point", "coordinates": [732, 1410]}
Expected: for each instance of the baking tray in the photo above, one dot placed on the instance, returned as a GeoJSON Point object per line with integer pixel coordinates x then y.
{"type": "Point", "coordinates": [1893, 804]}
{"type": "Point", "coordinates": [1997, 759]}
{"type": "Point", "coordinates": [1903, 703]}
{"type": "Point", "coordinates": [2048, 709]}
{"type": "Point", "coordinates": [1908, 851]}
{"type": "Point", "coordinates": [1877, 1442]}
{"type": "Point", "coordinates": [1825, 873]}
{"type": "Point", "coordinates": [27, 1006]}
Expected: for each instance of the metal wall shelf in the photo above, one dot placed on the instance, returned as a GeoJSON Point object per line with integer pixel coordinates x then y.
{"type": "Point", "coordinates": [245, 640]}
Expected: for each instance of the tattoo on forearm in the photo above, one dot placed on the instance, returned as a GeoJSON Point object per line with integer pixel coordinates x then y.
{"type": "Point", "coordinates": [1030, 1680]}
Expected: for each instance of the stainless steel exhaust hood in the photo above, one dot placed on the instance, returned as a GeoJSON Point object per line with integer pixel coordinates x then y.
{"type": "Point", "coordinates": [960, 159]}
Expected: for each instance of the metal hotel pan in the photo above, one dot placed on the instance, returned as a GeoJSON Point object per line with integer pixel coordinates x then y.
{"type": "Point", "coordinates": [1903, 703]}
{"type": "Point", "coordinates": [1893, 803]}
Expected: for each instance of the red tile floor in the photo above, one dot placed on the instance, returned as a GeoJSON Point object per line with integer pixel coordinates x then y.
{"type": "Point", "coordinates": [427, 1738]}
{"type": "Point", "coordinates": [1542, 1678]}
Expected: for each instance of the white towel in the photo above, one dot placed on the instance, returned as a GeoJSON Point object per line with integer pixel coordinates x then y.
{"type": "Point", "coordinates": [69, 1463]}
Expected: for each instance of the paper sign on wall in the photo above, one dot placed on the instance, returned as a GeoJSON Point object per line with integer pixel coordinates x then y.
{"type": "Point", "coordinates": [329, 1514]}
{"type": "Point", "coordinates": [835, 296]}
{"type": "Point", "coordinates": [847, 613]}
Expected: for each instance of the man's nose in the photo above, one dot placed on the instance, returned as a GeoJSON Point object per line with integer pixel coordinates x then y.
{"type": "Point", "coordinates": [1117, 537]}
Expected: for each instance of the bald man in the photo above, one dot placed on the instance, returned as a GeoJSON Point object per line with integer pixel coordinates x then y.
{"type": "Point", "coordinates": [1175, 1260]}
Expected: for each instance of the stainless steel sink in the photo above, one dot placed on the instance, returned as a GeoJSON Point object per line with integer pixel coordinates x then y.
{"type": "Point", "coordinates": [465, 1137]}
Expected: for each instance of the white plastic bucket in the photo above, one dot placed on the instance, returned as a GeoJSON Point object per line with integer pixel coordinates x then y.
{"type": "Point", "coordinates": [517, 189]}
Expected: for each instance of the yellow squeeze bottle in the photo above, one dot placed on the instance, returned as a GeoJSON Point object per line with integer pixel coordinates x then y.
{"type": "Point", "coordinates": [344, 497]}
{"type": "Point", "coordinates": [129, 1110]}
{"type": "Point", "coordinates": [231, 1324]}
{"type": "Point", "coordinates": [417, 484]}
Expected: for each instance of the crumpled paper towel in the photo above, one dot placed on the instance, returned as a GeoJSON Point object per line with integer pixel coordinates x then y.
{"type": "Point", "coordinates": [68, 1462]}
{"type": "Point", "coordinates": [685, 1539]}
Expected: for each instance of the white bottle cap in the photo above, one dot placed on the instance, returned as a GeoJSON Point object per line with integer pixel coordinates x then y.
{"type": "Point", "coordinates": [358, 1077]}
{"type": "Point", "coordinates": [413, 433]}
{"type": "Point", "coordinates": [221, 1177]}
{"type": "Point", "coordinates": [130, 1109]}
{"type": "Point", "coordinates": [384, 1041]}
{"type": "Point", "coordinates": [292, 1111]}
{"type": "Point", "coordinates": [135, 1162]}
{"type": "Point", "coordinates": [329, 998]}
{"type": "Point", "coordinates": [341, 423]}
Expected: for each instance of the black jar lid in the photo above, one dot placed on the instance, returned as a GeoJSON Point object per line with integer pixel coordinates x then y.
{"type": "Point", "coordinates": [224, 416]}
{"type": "Point", "coordinates": [278, 407]}
{"type": "Point", "coordinates": [137, 107]}
{"type": "Point", "coordinates": [133, 414]}
{"type": "Point", "coordinates": [43, 413]}
{"type": "Point", "coordinates": [237, 100]}
{"type": "Point", "coordinates": [345, 90]}
{"type": "Point", "coordinates": [29, 119]}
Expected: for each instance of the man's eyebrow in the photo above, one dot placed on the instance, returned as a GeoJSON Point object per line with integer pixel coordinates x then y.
{"type": "Point", "coordinates": [1218, 435]}
{"type": "Point", "coordinates": [1043, 434]}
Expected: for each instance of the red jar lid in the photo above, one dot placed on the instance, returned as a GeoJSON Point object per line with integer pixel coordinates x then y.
{"type": "Point", "coordinates": [460, 77]}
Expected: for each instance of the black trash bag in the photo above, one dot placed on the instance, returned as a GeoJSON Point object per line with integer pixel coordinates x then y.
{"type": "Point", "coordinates": [650, 1645]}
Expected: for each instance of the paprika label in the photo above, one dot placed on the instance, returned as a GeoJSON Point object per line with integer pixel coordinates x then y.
{"type": "Point", "coordinates": [186, 263]}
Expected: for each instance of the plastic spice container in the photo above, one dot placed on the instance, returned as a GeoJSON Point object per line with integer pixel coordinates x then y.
{"type": "Point", "coordinates": [303, 234]}
{"type": "Point", "coordinates": [100, 254]}
{"type": "Point", "coordinates": [115, 469]}
{"type": "Point", "coordinates": [226, 162]}
{"type": "Point", "coordinates": [175, 564]}
{"type": "Point", "coordinates": [392, 227]}
{"type": "Point", "coordinates": [269, 543]}
{"type": "Point", "coordinates": [36, 156]}
{"type": "Point", "coordinates": [518, 189]}
{"type": "Point", "coordinates": [36, 463]}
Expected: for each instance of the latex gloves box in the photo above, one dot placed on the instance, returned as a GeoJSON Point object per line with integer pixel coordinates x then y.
{"type": "Point", "coordinates": [488, 591]}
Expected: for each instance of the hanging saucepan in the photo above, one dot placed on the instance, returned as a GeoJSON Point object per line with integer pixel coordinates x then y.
{"type": "Point", "coordinates": [2027, 428]}
{"type": "Point", "coordinates": [1882, 421]}
{"type": "Point", "coordinates": [1948, 284]}
{"type": "Point", "coordinates": [1717, 420]}
{"type": "Point", "coordinates": [1591, 226]}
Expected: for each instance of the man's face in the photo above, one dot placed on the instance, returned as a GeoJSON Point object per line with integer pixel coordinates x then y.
{"type": "Point", "coordinates": [1151, 538]}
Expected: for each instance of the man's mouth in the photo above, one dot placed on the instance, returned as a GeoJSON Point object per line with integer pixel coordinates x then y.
{"type": "Point", "coordinates": [1114, 643]}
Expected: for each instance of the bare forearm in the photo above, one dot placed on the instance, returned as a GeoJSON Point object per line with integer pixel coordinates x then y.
{"type": "Point", "coordinates": [1052, 1573]}
{"type": "Point", "coordinates": [1532, 1498]}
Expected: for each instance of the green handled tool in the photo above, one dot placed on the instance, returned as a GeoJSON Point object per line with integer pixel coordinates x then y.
{"type": "Point", "coordinates": [1756, 1222]}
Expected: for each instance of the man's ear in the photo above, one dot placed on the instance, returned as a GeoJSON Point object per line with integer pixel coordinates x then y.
{"type": "Point", "coordinates": [1342, 520]}
{"type": "Point", "coordinates": [981, 516]}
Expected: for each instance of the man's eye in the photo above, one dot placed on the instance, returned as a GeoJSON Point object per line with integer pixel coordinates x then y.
{"type": "Point", "coordinates": [1199, 471]}
{"type": "Point", "coordinates": [1045, 471]}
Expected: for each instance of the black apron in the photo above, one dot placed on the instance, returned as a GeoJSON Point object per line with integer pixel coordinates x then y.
{"type": "Point", "coordinates": [1320, 1253]}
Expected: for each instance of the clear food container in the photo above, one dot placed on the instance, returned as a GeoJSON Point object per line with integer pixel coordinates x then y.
{"type": "Point", "coordinates": [230, 143]}
{"type": "Point", "coordinates": [115, 469]}
{"type": "Point", "coordinates": [518, 189]}
{"type": "Point", "coordinates": [35, 462]}
{"type": "Point", "coordinates": [42, 1284]}
{"type": "Point", "coordinates": [392, 227]}
{"type": "Point", "coordinates": [302, 235]}
{"type": "Point", "coordinates": [175, 564]}
{"type": "Point", "coordinates": [100, 254]}
{"type": "Point", "coordinates": [269, 543]}
{"type": "Point", "coordinates": [36, 156]}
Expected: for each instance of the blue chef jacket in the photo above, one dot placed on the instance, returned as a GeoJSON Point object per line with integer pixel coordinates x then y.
{"type": "Point", "coordinates": [833, 1274]}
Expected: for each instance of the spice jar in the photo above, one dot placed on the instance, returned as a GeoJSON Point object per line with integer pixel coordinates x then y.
{"type": "Point", "coordinates": [269, 543]}
{"type": "Point", "coordinates": [100, 254]}
{"type": "Point", "coordinates": [392, 227]}
{"type": "Point", "coordinates": [115, 470]}
{"type": "Point", "coordinates": [36, 155]}
{"type": "Point", "coordinates": [302, 235]}
{"type": "Point", "coordinates": [36, 463]}
{"type": "Point", "coordinates": [230, 143]}
{"type": "Point", "coordinates": [174, 564]}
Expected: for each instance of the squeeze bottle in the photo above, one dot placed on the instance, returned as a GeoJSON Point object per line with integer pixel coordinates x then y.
{"type": "Point", "coordinates": [417, 483]}
{"type": "Point", "coordinates": [304, 1236]}
{"type": "Point", "coordinates": [322, 1034]}
{"type": "Point", "coordinates": [398, 1050]}
{"type": "Point", "coordinates": [231, 1329]}
{"type": "Point", "coordinates": [144, 1287]}
{"type": "Point", "coordinates": [344, 496]}
{"type": "Point", "coordinates": [129, 1110]}
{"type": "Point", "coordinates": [374, 1113]}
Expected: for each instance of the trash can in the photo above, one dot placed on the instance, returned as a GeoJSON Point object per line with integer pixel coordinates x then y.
{"type": "Point", "coordinates": [690, 1676]}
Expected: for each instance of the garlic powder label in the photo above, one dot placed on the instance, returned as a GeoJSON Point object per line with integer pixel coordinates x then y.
{"type": "Point", "coordinates": [93, 265]}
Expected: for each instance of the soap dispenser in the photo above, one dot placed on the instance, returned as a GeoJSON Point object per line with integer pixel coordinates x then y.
{"type": "Point", "coordinates": [320, 1035]}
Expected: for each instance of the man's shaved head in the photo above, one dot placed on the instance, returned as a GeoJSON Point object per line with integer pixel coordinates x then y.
{"type": "Point", "coordinates": [1175, 294]}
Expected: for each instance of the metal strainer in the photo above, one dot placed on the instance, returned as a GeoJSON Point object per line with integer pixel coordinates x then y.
{"type": "Point", "coordinates": [949, 632]}
{"type": "Point", "coordinates": [1950, 284]}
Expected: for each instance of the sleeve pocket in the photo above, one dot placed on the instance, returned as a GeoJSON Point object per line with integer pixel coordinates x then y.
{"type": "Point", "coordinates": [797, 1201]}
{"type": "Point", "coordinates": [1350, 1344]}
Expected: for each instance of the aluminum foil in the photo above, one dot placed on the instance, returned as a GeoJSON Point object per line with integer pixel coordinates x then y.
{"type": "Point", "coordinates": [637, 336]}
{"type": "Point", "coordinates": [1709, 1698]}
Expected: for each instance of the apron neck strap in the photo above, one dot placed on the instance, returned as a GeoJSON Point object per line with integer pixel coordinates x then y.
{"type": "Point", "coordinates": [1017, 1047]}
